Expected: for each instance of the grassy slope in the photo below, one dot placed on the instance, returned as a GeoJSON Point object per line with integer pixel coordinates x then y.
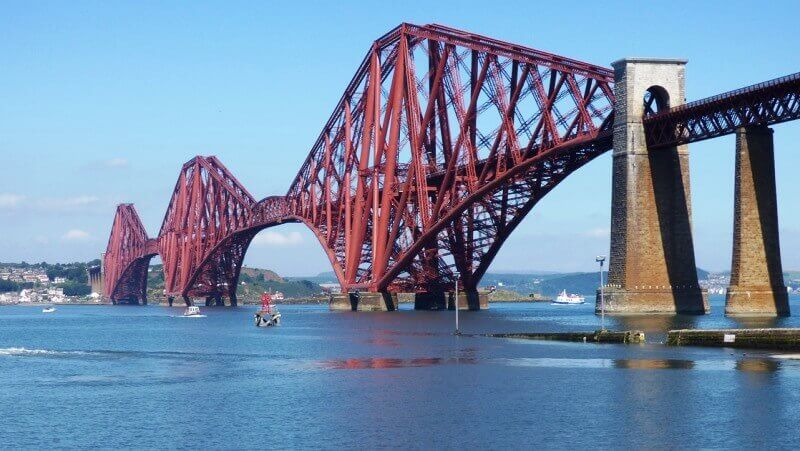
{"type": "Point", "coordinates": [256, 281]}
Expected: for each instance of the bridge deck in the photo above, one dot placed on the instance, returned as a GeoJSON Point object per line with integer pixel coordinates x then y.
{"type": "Point", "coordinates": [767, 103]}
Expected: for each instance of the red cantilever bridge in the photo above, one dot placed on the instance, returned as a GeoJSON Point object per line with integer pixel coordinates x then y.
{"type": "Point", "coordinates": [440, 145]}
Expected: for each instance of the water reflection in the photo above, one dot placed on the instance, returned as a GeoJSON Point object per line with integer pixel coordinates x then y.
{"type": "Point", "coordinates": [744, 365]}
{"type": "Point", "coordinates": [758, 365]}
{"type": "Point", "coordinates": [654, 364]}
{"type": "Point", "coordinates": [655, 323]}
{"type": "Point", "coordinates": [388, 363]}
{"type": "Point", "coordinates": [755, 322]}
{"type": "Point", "coordinates": [381, 341]}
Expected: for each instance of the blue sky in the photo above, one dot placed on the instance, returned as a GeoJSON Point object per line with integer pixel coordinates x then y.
{"type": "Point", "coordinates": [101, 103]}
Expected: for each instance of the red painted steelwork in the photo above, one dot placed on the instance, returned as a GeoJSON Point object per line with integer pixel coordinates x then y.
{"type": "Point", "coordinates": [440, 145]}
{"type": "Point", "coordinates": [127, 257]}
{"type": "Point", "coordinates": [208, 205]}
{"type": "Point", "coordinates": [766, 103]}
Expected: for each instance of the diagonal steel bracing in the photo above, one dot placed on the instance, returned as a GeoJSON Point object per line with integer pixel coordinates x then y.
{"type": "Point", "coordinates": [441, 144]}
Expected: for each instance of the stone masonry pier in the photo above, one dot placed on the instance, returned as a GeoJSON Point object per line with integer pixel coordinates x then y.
{"type": "Point", "coordinates": [756, 286]}
{"type": "Point", "coordinates": [364, 301]}
{"type": "Point", "coordinates": [652, 265]}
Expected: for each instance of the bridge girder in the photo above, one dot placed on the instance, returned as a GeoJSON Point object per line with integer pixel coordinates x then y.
{"type": "Point", "coordinates": [127, 256]}
{"type": "Point", "coordinates": [440, 145]}
{"type": "Point", "coordinates": [432, 117]}
{"type": "Point", "coordinates": [767, 103]}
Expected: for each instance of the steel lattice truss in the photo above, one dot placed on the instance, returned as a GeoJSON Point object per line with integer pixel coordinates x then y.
{"type": "Point", "coordinates": [208, 205]}
{"type": "Point", "coordinates": [440, 145]}
{"type": "Point", "coordinates": [766, 103]}
{"type": "Point", "coordinates": [127, 257]}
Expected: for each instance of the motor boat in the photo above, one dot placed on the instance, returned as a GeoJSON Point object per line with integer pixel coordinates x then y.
{"type": "Point", "coordinates": [569, 299]}
{"type": "Point", "coordinates": [264, 319]}
{"type": "Point", "coordinates": [48, 310]}
{"type": "Point", "coordinates": [193, 311]}
{"type": "Point", "coordinates": [267, 316]}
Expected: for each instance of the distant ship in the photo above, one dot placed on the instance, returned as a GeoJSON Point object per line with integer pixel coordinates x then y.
{"type": "Point", "coordinates": [565, 298]}
{"type": "Point", "coordinates": [278, 296]}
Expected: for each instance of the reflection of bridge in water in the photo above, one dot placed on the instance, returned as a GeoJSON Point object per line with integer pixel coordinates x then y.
{"type": "Point", "coordinates": [444, 141]}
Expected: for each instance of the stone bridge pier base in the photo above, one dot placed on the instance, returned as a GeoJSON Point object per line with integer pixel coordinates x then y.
{"type": "Point", "coordinates": [364, 301]}
{"type": "Point", "coordinates": [756, 286]}
{"type": "Point", "coordinates": [469, 300]}
{"type": "Point", "coordinates": [430, 300]}
{"type": "Point", "coordinates": [652, 265]}
{"type": "Point", "coordinates": [441, 300]}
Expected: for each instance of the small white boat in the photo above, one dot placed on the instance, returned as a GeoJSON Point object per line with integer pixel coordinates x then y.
{"type": "Point", "coordinates": [569, 299]}
{"type": "Point", "coordinates": [193, 311]}
{"type": "Point", "coordinates": [48, 310]}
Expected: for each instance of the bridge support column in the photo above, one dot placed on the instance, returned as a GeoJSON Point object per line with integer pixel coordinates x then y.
{"type": "Point", "coordinates": [340, 301]}
{"type": "Point", "coordinates": [430, 300]}
{"type": "Point", "coordinates": [440, 300]}
{"type": "Point", "coordinates": [364, 301]}
{"type": "Point", "coordinates": [756, 286]}
{"type": "Point", "coordinates": [652, 266]}
{"type": "Point", "coordinates": [469, 300]}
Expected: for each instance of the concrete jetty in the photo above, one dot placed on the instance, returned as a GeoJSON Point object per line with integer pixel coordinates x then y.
{"type": "Point", "coordinates": [597, 336]}
{"type": "Point", "coordinates": [777, 339]}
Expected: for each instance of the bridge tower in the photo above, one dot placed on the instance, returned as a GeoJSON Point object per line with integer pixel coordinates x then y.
{"type": "Point", "coordinates": [652, 265]}
{"type": "Point", "coordinates": [756, 286]}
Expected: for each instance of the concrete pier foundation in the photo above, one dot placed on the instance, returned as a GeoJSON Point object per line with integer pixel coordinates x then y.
{"type": "Point", "coordinates": [654, 299]}
{"type": "Point", "coordinates": [652, 265]}
{"type": "Point", "coordinates": [340, 301]}
{"type": "Point", "coordinates": [469, 300]}
{"type": "Point", "coordinates": [756, 286]}
{"type": "Point", "coordinates": [364, 301]}
{"type": "Point", "coordinates": [434, 300]}
{"type": "Point", "coordinates": [441, 300]}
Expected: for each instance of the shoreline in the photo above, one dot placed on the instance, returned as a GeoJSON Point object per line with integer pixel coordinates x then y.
{"type": "Point", "coordinates": [290, 301]}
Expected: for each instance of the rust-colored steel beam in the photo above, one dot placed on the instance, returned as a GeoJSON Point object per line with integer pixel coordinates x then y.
{"type": "Point", "coordinates": [395, 187]}
{"type": "Point", "coordinates": [394, 183]}
{"type": "Point", "coordinates": [440, 145]}
{"type": "Point", "coordinates": [208, 205]}
{"type": "Point", "coordinates": [767, 103]}
{"type": "Point", "coordinates": [127, 257]}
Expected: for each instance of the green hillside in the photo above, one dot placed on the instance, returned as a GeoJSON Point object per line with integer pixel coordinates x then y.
{"type": "Point", "coordinates": [252, 282]}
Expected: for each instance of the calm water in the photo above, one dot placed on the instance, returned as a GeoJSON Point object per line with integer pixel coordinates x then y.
{"type": "Point", "coordinates": [141, 377]}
